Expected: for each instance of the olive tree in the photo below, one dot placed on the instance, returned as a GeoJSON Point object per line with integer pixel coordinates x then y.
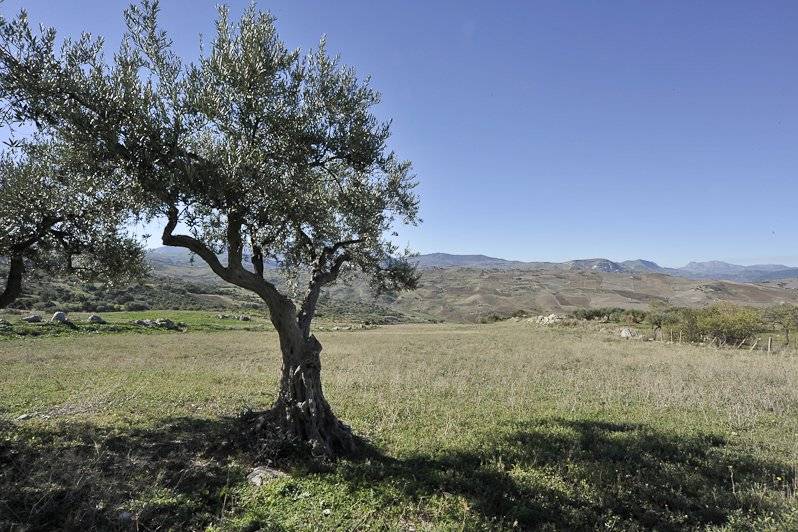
{"type": "Point", "coordinates": [55, 218]}
{"type": "Point", "coordinates": [254, 150]}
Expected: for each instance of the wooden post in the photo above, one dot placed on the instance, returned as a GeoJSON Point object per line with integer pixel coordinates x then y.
{"type": "Point", "coordinates": [756, 343]}
{"type": "Point", "coordinates": [741, 343]}
{"type": "Point", "coordinates": [680, 336]}
{"type": "Point", "coordinates": [671, 335]}
{"type": "Point", "coordinates": [770, 343]}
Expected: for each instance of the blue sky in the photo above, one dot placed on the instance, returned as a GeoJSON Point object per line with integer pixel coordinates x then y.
{"type": "Point", "coordinates": [559, 130]}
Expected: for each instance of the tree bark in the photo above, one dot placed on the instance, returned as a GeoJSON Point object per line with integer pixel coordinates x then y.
{"type": "Point", "coordinates": [16, 270]}
{"type": "Point", "coordinates": [301, 409]}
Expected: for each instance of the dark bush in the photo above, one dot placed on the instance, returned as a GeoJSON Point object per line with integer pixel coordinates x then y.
{"type": "Point", "coordinates": [134, 306]}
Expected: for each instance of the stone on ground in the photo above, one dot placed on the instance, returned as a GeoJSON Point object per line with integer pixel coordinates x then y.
{"type": "Point", "coordinates": [94, 318]}
{"type": "Point", "coordinates": [59, 317]}
{"type": "Point", "coordinates": [263, 474]}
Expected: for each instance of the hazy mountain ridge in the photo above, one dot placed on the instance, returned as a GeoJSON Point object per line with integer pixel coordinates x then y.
{"type": "Point", "coordinates": [447, 260]}
{"type": "Point", "coordinates": [694, 270]}
{"type": "Point", "coordinates": [165, 258]}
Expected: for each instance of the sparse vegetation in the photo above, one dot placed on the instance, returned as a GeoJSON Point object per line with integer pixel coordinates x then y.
{"type": "Point", "coordinates": [612, 314]}
{"type": "Point", "coordinates": [722, 323]}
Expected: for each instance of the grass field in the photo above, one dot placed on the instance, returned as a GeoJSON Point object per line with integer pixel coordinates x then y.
{"type": "Point", "coordinates": [468, 426]}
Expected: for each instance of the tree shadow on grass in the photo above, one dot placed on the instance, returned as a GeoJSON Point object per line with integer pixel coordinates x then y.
{"type": "Point", "coordinates": [553, 473]}
{"type": "Point", "coordinates": [79, 476]}
{"type": "Point", "coordinates": [587, 474]}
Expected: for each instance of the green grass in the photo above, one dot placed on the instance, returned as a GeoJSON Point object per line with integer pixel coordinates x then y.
{"type": "Point", "coordinates": [123, 322]}
{"type": "Point", "coordinates": [120, 322]}
{"type": "Point", "coordinates": [468, 427]}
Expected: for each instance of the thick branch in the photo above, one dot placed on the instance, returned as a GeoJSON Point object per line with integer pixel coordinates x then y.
{"type": "Point", "coordinates": [330, 250]}
{"type": "Point", "coordinates": [192, 244]}
{"type": "Point", "coordinates": [14, 281]}
{"type": "Point", "coordinates": [234, 274]}
{"type": "Point", "coordinates": [317, 281]}
{"type": "Point", "coordinates": [235, 246]}
{"type": "Point", "coordinates": [257, 259]}
{"type": "Point", "coordinates": [306, 241]}
{"type": "Point", "coordinates": [322, 276]}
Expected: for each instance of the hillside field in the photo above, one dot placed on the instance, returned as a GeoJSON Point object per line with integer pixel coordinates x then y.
{"type": "Point", "coordinates": [467, 427]}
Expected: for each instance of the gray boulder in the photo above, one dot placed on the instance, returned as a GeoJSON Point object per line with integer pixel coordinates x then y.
{"type": "Point", "coordinates": [35, 318]}
{"type": "Point", "coordinates": [94, 318]}
{"type": "Point", "coordinates": [59, 317]}
{"type": "Point", "coordinates": [161, 323]}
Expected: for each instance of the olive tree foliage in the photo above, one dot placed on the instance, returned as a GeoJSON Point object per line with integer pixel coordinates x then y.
{"type": "Point", "coordinates": [265, 153]}
{"type": "Point", "coordinates": [56, 219]}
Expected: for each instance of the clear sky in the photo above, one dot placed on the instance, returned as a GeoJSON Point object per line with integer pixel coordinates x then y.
{"type": "Point", "coordinates": [559, 130]}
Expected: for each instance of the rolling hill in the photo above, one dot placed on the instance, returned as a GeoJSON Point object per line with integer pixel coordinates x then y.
{"type": "Point", "coordinates": [471, 287]}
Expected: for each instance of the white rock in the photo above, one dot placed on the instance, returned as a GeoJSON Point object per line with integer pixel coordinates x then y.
{"type": "Point", "coordinates": [628, 332]}
{"type": "Point", "coordinates": [94, 318]}
{"type": "Point", "coordinates": [551, 319]}
{"type": "Point", "coordinates": [59, 317]}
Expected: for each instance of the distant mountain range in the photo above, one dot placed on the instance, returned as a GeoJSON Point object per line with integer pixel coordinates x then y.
{"type": "Point", "coordinates": [694, 270]}
{"type": "Point", "coordinates": [165, 258]}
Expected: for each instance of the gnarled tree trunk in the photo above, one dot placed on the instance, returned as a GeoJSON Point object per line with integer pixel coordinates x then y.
{"type": "Point", "coordinates": [301, 407]}
{"type": "Point", "coordinates": [13, 289]}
